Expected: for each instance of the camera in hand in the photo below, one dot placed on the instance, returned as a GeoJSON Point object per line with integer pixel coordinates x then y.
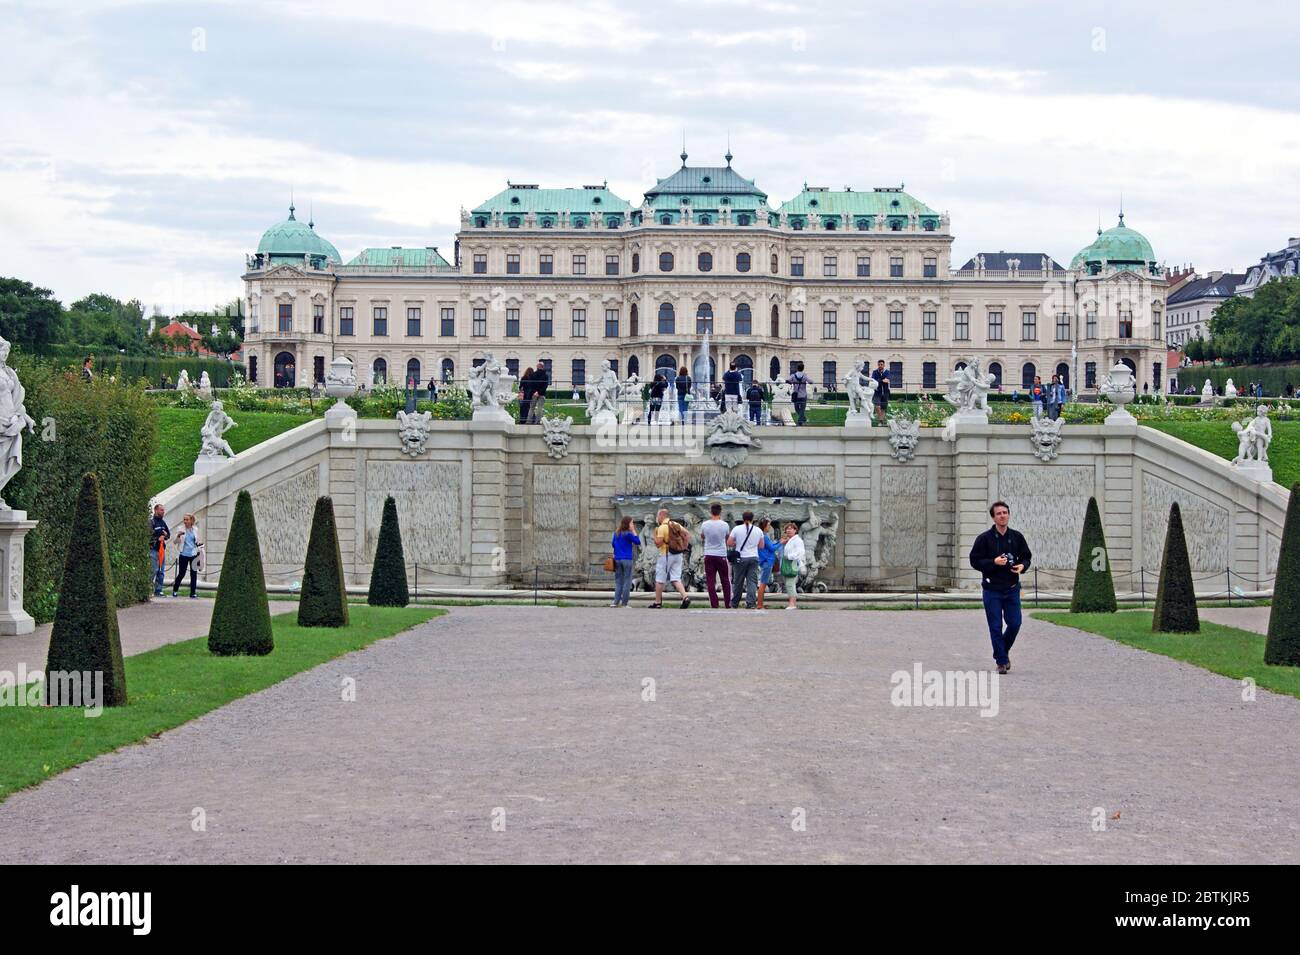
{"type": "Point", "coordinates": [1010, 559]}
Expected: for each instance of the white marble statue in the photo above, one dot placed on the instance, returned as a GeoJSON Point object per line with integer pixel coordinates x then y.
{"type": "Point", "coordinates": [413, 429]}
{"type": "Point", "coordinates": [490, 384]}
{"type": "Point", "coordinates": [603, 394]}
{"type": "Point", "coordinates": [1208, 391]}
{"type": "Point", "coordinates": [629, 399]}
{"type": "Point", "coordinates": [782, 411]}
{"type": "Point", "coordinates": [968, 389]}
{"type": "Point", "coordinates": [1254, 438]}
{"type": "Point", "coordinates": [1229, 389]}
{"type": "Point", "coordinates": [214, 429]}
{"type": "Point", "coordinates": [205, 385]}
{"type": "Point", "coordinates": [13, 419]}
{"type": "Point", "coordinates": [860, 387]}
{"type": "Point", "coordinates": [183, 381]}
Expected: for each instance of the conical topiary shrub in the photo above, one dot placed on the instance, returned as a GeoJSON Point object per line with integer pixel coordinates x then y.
{"type": "Point", "coordinates": [324, 601]}
{"type": "Point", "coordinates": [85, 638]}
{"type": "Point", "coordinates": [1094, 590]}
{"type": "Point", "coordinates": [241, 619]}
{"type": "Point", "coordinates": [388, 576]}
{"type": "Point", "coordinates": [1283, 645]}
{"type": "Point", "coordinates": [1175, 598]}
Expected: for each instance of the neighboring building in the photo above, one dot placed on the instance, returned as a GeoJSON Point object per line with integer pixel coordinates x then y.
{"type": "Point", "coordinates": [1192, 304]}
{"type": "Point", "coordinates": [1276, 265]}
{"type": "Point", "coordinates": [575, 277]}
{"type": "Point", "coordinates": [188, 340]}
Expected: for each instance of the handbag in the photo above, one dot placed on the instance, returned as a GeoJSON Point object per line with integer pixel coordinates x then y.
{"type": "Point", "coordinates": [788, 567]}
{"type": "Point", "coordinates": [609, 563]}
{"type": "Point", "coordinates": [733, 553]}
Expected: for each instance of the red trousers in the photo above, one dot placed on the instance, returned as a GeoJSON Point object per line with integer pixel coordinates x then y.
{"type": "Point", "coordinates": [717, 566]}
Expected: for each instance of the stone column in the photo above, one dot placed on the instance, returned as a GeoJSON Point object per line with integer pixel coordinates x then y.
{"type": "Point", "coordinates": [14, 620]}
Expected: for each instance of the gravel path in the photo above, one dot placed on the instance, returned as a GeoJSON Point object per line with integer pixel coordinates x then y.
{"type": "Point", "coordinates": [1243, 618]}
{"type": "Point", "coordinates": [539, 712]}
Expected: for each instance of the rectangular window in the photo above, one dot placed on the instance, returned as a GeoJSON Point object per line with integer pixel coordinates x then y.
{"type": "Point", "coordinates": [545, 326]}
{"type": "Point", "coordinates": [512, 365]}
{"type": "Point", "coordinates": [1125, 324]}
{"type": "Point", "coordinates": [480, 322]}
{"type": "Point", "coordinates": [896, 376]}
{"type": "Point", "coordinates": [512, 323]}
{"type": "Point", "coordinates": [796, 265]}
{"type": "Point", "coordinates": [1090, 325]}
{"type": "Point", "coordinates": [318, 319]}
{"type": "Point", "coordinates": [895, 326]}
{"type": "Point", "coordinates": [1029, 326]}
{"type": "Point", "coordinates": [796, 324]}
{"type": "Point", "coordinates": [744, 321]}
{"type": "Point", "coordinates": [381, 320]}
{"type": "Point", "coordinates": [930, 326]}
{"type": "Point", "coordinates": [895, 266]}
{"type": "Point", "coordinates": [253, 319]}
{"type": "Point", "coordinates": [1155, 319]}
{"type": "Point", "coordinates": [345, 320]}
{"type": "Point", "coordinates": [929, 375]}
{"type": "Point", "coordinates": [412, 321]}
{"type": "Point", "coordinates": [862, 326]}
{"type": "Point", "coordinates": [546, 264]}
{"type": "Point", "coordinates": [830, 377]}
{"type": "Point", "coordinates": [286, 316]}
{"type": "Point", "coordinates": [864, 266]}
{"type": "Point", "coordinates": [611, 323]}
{"type": "Point", "coordinates": [930, 267]}
{"type": "Point", "coordinates": [830, 324]}
{"type": "Point", "coordinates": [579, 372]}
{"type": "Point", "coordinates": [1063, 327]}
{"type": "Point", "coordinates": [995, 326]}
{"type": "Point", "coordinates": [611, 265]}
{"type": "Point", "coordinates": [447, 327]}
{"type": "Point", "coordinates": [1090, 374]}
{"type": "Point", "coordinates": [579, 323]}
{"type": "Point", "coordinates": [830, 266]}
{"type": "Point", "coordinates": [512, 263]}
{"type": "Point", "coordinates": [579, 264]}
{"type": "Point", "coordinates": [480, 263]}
{"type": "Point", "coordinates": [961, 326]}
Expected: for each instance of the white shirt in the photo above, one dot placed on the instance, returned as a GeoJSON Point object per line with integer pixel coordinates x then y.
{"type": "Point", "coordinates": [794, 551]}
{"type": "Point", "coordinates": [714, 533]}
{"type": "Point", "coordinates": [747, 548]}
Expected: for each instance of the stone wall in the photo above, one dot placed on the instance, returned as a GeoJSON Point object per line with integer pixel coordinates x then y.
{"type": "Point", "coordinates": [485, 506]}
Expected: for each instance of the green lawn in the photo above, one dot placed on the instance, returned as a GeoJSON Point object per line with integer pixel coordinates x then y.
{"type": "Point", "coordinates": [179, 441]}
{"type": "Point", "coordinates": [175, 684]}
{"type": "Point", "coordinates": [1226, 650]}
{"type": "Point", "coordinates": [1217, 437]}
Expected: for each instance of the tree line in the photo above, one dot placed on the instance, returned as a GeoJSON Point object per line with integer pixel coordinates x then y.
{"type": "Point", "coordinates": [1253, 331]}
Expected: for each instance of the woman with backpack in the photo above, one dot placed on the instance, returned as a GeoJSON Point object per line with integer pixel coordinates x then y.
{"type": "Point", "coordinates": [793, 555]}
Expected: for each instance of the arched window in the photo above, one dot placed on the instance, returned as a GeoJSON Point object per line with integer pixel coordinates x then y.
{"type": "Point", "coordinates": [633, 364]}
{"type": "Point", "coordinates": [774, 368]}
{"type": "Point", "coordinates": [745, 365]}
{"type": "Point", "coordinates": [862, 225]}
{"type": "Point", "coordinates": [665, 219]}
{"type": "Point", "coordinates": [1027, 373]}
{"type": "Point", "coordinates": [775, 263]}
{"type": "Point", "coordinates": [613, 222]}
{"type": "Point", "coordinates": [776, 323]}
{"type": "Point", "coordinates": [742, 262]}
{"type": "Point", "coordinates": [706, 262]}
{"type": "Point", "coordinates": [959, 366]}
{"type": "Point", "coordinates": [579, 223]}
{"type": "Point", "coordinates": [548, 223]}
{"type": "Point", "coordinates": [704, 220]}
{"type": "Point", "coordinates": [796, 224]}
{"type": "Point", "coordinates": [665, 261]}
{"type": "Point", "coordinates": [928, 225]}
{"type": "Point", "coordinates": [413, 372]}
{"type": "Point", "coordinates": [895, 225]}
{"type": "Point", "coordinates": [1132, 367]}
{"type": "Point", "coordinates": [513, 222]}
{"type": "Point", "coordinates": [666, 365]}
{"type": "Point", "coordinates": [830, 223]}
{"type": "Point", "coordinates": [252, 369]}
{"type": "Point", "coordinates": [995, 369]}
{"type": "Point", "coordinates": [1063, 372]}
{"type": "Point", "coordinates": [284, 370]}
{"type": "Point", "coordinates": [379, 373]}
{"type": "Point", "coordinates": [480, 222]}
{"type": "Point", "coordinates": [636, 261]}
{"type": "Point", "coordinates": [704, 319]}
{"type": "Point", "coordinates": [667, 319]}
{"type": "Point", "coordinates": [744, 320]}
{"type": "Point", "coordinates": [633, 322]}
{"type": "Point", "coordinates": [742, 219]}
{"type": "Point", "coordinates": [448, 369]}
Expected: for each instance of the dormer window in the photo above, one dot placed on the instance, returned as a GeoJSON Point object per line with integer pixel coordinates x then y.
{"type": "Point", "coordinates": [742, 219]}
{"type": "Point", "coordinates": [579, 223]}
{"type": "Point", "coordinates": [707, 179]}
{"type": "Point", "coordinates": [513, 222]}
{"type": "Point", "coordinates": [666, 219]}
{"type": "Point", "coordinates": [812, 203]}
{"type": "Point", "coordinates": [894, 203]}
{"type": "Point", "coordinates": [548, 223]}
{"type": "Point", "coordinates": [596, 201]}
{"type": "Point", "coordinates": [704, 220]}
{"type": "Point", "coordinates": [480, 222]}
{"type": "Point", "coordinates": [726, 201]}
{"type": "Point", "coordinates": [862, 225]}
{"type": "Point", "coordinates": [514, 200]}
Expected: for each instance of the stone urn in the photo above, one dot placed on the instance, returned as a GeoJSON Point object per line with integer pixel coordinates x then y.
{"type": "Point", "coordinates": [1120, 388]}
{"type": "Point", "coordinates": [340, 384]}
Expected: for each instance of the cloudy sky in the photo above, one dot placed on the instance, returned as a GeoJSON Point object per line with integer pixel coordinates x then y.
{"type": "Point", "coordinates": [146, 145]}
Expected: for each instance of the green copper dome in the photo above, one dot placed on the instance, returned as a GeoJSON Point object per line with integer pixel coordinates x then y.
{"type": "Point", "coordinates": [1120, 247]}
{"type": "Point", "coordinates": [290, 240]}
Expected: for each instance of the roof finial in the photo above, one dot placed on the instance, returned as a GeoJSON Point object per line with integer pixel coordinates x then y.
{"type": "Point", "coordinates": [291, 202]}
{"type": "Point", "coordinates": [728, 149]}
{"type": "Point", "coordinates": [311, 215]}
{"type": "Point", "coordinates": [1121, 207]}
{"type": "Point", "coordinates": [683, 149]}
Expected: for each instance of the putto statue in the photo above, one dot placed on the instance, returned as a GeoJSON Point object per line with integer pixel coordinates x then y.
{"type": "Point", "coordinates": [490, 387]}
{"type": "Point", "coordinates": [904, 434]}
{"type": "Point", "coordinates": [183, 383]}
{"type": "Point", "coordinates": [413, 429]}
{"type": "Point", "coordinates": [729, 438]}
{"type": "Point", "coordinates": [968, 389]}
{"type": "Point", "coordinates": [602, 395]}
{"type": "Point", "coordinates": [1253, 438]}
{"type": "Point", "coordinates": [1046, 437]}
{"type": "Point", "coordinates": [13, 419]}
{"type": "Point", "coordinates": [782, 411]}
{"type": "Point", "coordinates": [1207, 393]}
{"type": "Point", "coordinates": [555, 434]}
{"type": "Point", "coordinates": [860, 387]}
{"type": "Point", "coordinates": [1229, 389]}
{"type": "Point", "coordinates": [629, 399]}
{"type": "Point", "coordinates": [205, 385]}
{"type": "Point", "coordinates": [214, 429]}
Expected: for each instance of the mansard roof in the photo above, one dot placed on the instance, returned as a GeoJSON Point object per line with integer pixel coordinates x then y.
{"type": "Point", "coordinates": [881, 201]}
{"type": "Point", "coordinates": [523, 199]}
{"type": "Point", "coordinates": [427, 257]}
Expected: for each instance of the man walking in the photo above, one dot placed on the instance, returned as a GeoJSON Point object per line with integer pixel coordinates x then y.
{"type": "Point", "coordinates": [541, 381]}
{"type": "Point", "coordinates": [746, 539]}
{"type": "Point", "coordinates": [673, 541]}
{"type": "Point", "coordinates": [714, 533]}
{"type": "Point", "coordinates": [798, 383]}
{"type": "Point", "coordinates": [159, 534]}
{"type": "Point", "coordinates": [881, 397]}
{"type": "Point", "coordinates": [1001, 555]}
{"type": "Point", "coordinates": [731, 380]}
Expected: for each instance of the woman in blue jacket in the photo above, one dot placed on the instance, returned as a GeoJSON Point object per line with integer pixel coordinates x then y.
{"type": "Point", "coordinates": [767, 558]}
{"type": "Point", "coordinates": [624, 541]}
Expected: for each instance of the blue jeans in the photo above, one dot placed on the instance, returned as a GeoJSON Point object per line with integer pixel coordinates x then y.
{"type": "Point", "coordinates": [1038, 409]}
{"type": "Point", "coordinates": [158, 561]}
{"type": "Point", "coordinates": [1002, 605]}
{"type": "Point", "coordinates": [622, 581]}
{"type": "Point", "coordinates": [681, 406]}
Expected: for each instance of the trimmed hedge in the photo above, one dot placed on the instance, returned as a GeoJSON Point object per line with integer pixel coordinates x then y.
{"type": "Point", "coordinates": [128, 368]}
{"type": "Point", "coordinates": [241, 618]}
{"type": "Point", "coordinates": [324, 601]}
{"type": "Point", "coordinates": [85, 637]}
{"type": "Point", "coordinates": [388, 575]}
{"type": "Point", "coordinates": [1282, 648]}
{"type": "Point", "coordinates": [1094, 590]}
{"type": "Point", "coordinates": [100, 427]}
{"type": "Point", "coordinates": [1175, 610]}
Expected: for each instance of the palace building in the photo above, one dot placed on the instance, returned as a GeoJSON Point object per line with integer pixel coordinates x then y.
{"type": "Point", "coordinates": [573, 277]}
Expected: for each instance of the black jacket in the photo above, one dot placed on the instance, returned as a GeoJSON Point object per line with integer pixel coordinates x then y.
{"type": "Point", "coordinates": [157, 529]}
{"type": "Point", "coordinates": [990, 545]}
{"type": "Point", "coordinates": [541, 381]}
{"type": "Point", "coordinates": [881, 378]}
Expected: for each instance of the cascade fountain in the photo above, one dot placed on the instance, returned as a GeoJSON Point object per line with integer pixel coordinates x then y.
{"type": "Point", "coordinates": [702, 406]}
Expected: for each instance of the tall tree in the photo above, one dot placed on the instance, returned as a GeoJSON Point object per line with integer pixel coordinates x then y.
{"type": "Point", "coordinates": [30, 316]}
{"type": "Point", "coordinates": [1094, 590]}
{"type": "Point", "coordinates": [1175, 610]}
